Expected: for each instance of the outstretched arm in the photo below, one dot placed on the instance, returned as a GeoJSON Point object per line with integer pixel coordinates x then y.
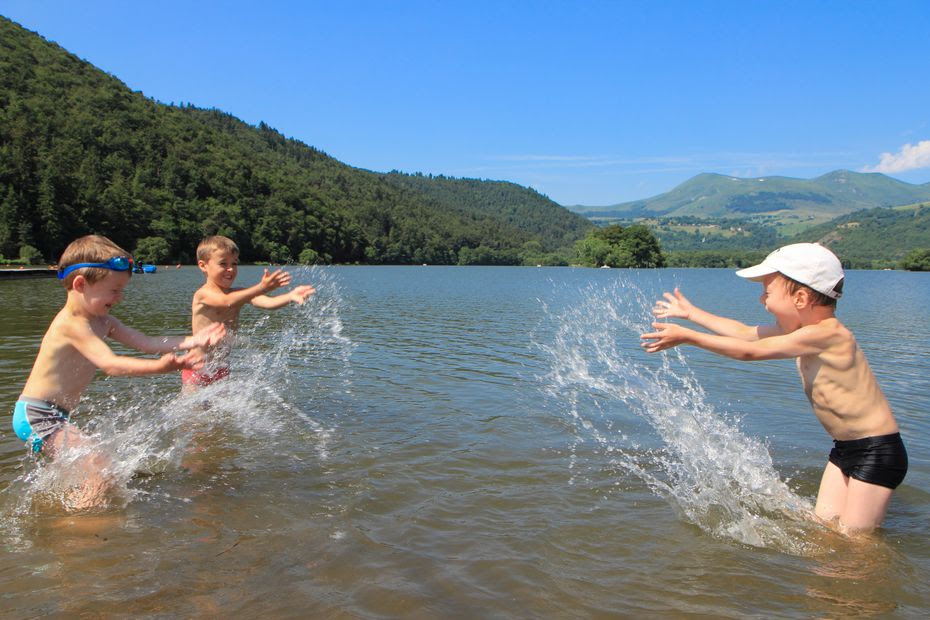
{"type": "Point", "coordinates": [678, 306]}
{"type": "Point", "coordinates": [133, 338]}
{"type": "Point", "coordinates": [239, 297]}
{"type": "Point", "coordinates": [298, 296]}
{"type": "Point", "coordinates": [809, 340]}
{"type": "Point", "coordinates": [96, 351]}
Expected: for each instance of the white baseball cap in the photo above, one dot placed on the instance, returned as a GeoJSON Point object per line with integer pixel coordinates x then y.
{"type": "Point", "coordinates": [810, 264]}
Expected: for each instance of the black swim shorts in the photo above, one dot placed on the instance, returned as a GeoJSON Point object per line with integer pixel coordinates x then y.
{"type": "Point", "coordinates": [880, 460]}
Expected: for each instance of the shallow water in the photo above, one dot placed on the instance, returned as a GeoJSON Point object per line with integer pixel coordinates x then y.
{"type": "Point", "coordinates": [464, 442]}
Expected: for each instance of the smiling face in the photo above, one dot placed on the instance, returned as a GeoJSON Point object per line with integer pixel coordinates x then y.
{"type": "Point", "coordinates": [221, 268]}
{"type": "Point", "coordinates": [781, 303]}
{"type": "Point", "coordinates": [99, 297]}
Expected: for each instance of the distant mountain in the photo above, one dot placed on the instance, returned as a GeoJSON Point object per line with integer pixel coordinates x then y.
{"type": "Point", "coordinates": [710, 195]}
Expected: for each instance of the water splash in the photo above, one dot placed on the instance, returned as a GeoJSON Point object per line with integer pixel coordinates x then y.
{"type": "Point", "coordinates": [651, 417]}
{"type": "Point", "coordinates": [146, 426]}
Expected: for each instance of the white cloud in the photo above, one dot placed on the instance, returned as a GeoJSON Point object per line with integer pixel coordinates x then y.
{"type": "Point", "coordinates": [910, 157]}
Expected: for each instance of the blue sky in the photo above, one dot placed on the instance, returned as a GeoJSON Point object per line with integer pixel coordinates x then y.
{"type": "Point", "coordinates": [590, 103]}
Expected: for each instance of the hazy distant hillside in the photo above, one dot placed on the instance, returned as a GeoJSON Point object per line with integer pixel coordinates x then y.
{"type": "Point", "coordinates": [784, 199]}
{"type": "Point", "coordinates": [874, 238]}
{"type": "Point", "coordinates": [80, 152]}
{"type": "Point", "coordinates": [866, 239]}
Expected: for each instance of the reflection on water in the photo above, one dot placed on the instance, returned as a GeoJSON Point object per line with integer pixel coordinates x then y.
{"type": "Point", "coordinates": [855, 578]}
{"type": "Point", "coordinates": [446, 442]}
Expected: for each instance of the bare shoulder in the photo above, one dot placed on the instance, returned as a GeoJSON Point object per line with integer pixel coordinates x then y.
{"type": "Point", "coordinates": [838, 332]}
{"type": "Point", "coordinates": [64, 324]}
{"type": "Point", "coordinates": [59, 330]}
{"type": "Point", "coordinates": [836, 343]}
{"type": "Point", "coordinates": [67, 330]}
{"type": "Point", "coordinates": [824, 337]}
{"type": "Point", "coordinates": [200, 293]}
{"type": "Point", "coordinates": [826, 330]}
{"type": "Point", "coordinates": [207, 295]}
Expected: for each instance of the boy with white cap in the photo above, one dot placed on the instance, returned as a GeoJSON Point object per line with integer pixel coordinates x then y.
{"type": "Point", "coordinates": [801, 283]}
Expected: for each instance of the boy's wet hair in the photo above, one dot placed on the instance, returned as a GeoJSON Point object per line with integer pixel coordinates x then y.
{"type": "Point", "coordinates": [89, 249]}
{"type": "Point", "coordinates": [217, 242]}
{"type": "Point", "coordinates": [818, 298]}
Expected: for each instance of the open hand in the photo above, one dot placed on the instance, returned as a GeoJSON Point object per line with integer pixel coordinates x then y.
{"type": "Point", "coordinates": [673, 306]}
{"type": "Point", "coordinates": [275, 280]}
{"type": "Point", "coordinates": [667, 336]}
{"type": "Point", "coordinates": [300, 294]}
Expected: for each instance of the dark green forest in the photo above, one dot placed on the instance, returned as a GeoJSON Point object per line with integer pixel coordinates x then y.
{"type": "Point", "coordinates": [544, 234]}
{"type": "Point", "coordinates": [81, 153]}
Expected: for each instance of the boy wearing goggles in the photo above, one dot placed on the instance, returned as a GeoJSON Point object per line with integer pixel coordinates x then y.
{"type": "Point", "coordinates": [94, 272]}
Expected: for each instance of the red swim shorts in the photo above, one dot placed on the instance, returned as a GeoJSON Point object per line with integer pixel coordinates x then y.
{"type": "Point", "coordinates": [192, 377]}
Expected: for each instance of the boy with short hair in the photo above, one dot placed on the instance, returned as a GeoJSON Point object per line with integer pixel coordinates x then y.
{"type": "Point", "coordinates": [801, 283]}
{"type": "Point", "coordinates": [94, 272]}
{"type": "Point", "coordinates": [218, 301]}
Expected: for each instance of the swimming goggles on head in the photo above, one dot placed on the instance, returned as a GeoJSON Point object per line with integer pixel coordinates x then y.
{"type": "Point", "coordinates": [117, 263]}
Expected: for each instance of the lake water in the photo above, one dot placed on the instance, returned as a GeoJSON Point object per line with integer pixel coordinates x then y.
{"type": "Point", "coordinates": [445, 442]}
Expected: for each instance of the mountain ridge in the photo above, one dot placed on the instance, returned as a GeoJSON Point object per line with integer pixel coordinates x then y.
{"type": "Point", "coordinates": [713, 195]}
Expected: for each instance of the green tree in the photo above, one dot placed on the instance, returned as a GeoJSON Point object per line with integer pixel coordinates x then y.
{"type": "Point", "coordinates": [642, 247]}
{"type": "Point", "coordinates": [308, 256]}
{"type": "Point", "coordinates": [613, 234]}
{"type": "Point", "coordinates": [278, 253]}
{"type": "Point", "coordinates": [620, 256]}
{"type": "Point", "coordinates": [152, 250]}
{"type": "Point", "coordinates": [592, 251]}
{"type": "Point", "coordinates": [616, 246]}
{"type": "Point", "coordinates": [30, 255]}
{"type": "Point", "coordinates": [531, 253]}
{"type": "Point", "coordinates": [917, 260]}
{"type": "Point", "coordinates": [7, 221]}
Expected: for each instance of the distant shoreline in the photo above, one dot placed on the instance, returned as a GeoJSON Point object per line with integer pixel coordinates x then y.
{"type": "Point", "coordinates": [8, 273]}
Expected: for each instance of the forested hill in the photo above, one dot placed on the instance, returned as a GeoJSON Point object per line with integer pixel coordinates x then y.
{"type": "Point", "coordinates": [503, 203]}
{"type": "Point", "coordinates": [874, 238]}
{"type": "Point", "coordinates": [80, 152]}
